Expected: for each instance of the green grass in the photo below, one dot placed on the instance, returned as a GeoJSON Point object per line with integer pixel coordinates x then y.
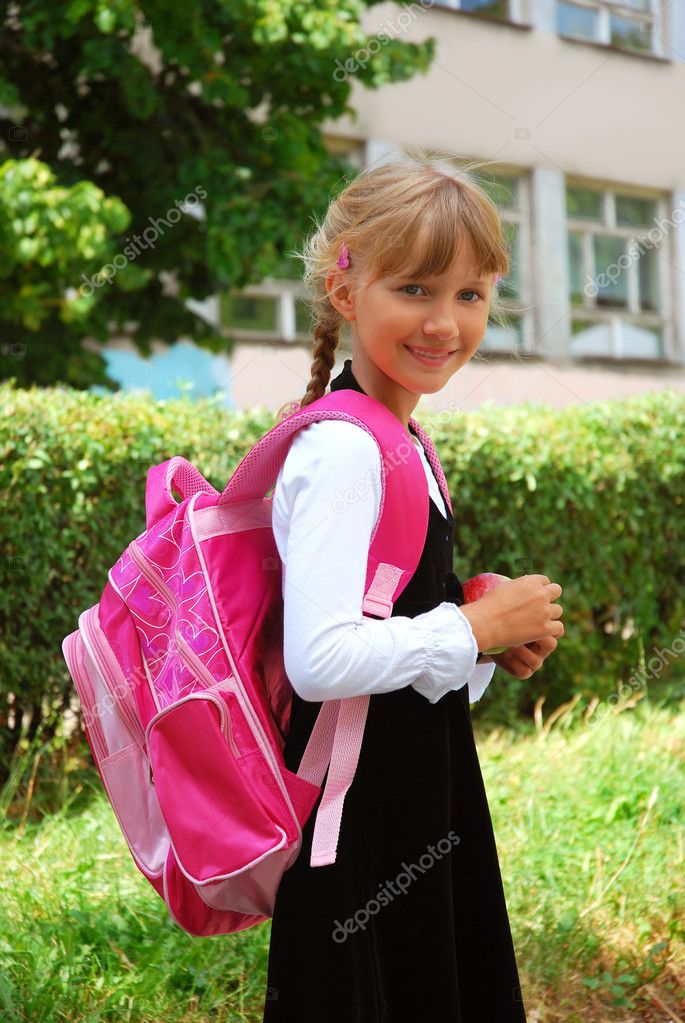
{"type": "Point", "coordinates": [588, 813]}
{"type": "Point", "coordinates": [590, 823]}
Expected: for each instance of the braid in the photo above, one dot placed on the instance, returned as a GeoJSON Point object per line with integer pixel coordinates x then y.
{"type": "Point", "coordinates": [326, 337]}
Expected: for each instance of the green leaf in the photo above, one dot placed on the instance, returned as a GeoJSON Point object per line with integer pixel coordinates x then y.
{"type": "Point", "coordinates": [105, 19]}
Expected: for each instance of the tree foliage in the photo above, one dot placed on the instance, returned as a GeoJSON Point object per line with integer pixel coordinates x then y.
{"type": "Point", "coordinates": [182, 141]}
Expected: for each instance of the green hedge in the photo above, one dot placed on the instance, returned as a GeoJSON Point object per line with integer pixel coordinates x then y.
{"type": "Point", "coordinates": [591, 496]}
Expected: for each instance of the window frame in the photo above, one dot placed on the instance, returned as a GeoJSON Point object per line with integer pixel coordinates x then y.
{"type": "Point", "coordinates": [523, 306]}
{"type": "Point", "coordinates": [613, 318]}
{"type": "Point", "coordinates": [605, 8]}
{"type": "Point", "coordinates": [285, 292]}
{"type": "Point", "coordinates": [518, 11]}
{"type": "Point", "coordinates": [353, 150]}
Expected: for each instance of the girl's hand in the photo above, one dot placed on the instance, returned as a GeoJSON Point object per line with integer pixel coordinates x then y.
{"type": "Point", "coordinates": [523, 661]}
{"type": "Point", "coordinates": [516, 611]}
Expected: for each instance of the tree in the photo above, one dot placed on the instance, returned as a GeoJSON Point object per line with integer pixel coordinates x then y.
{"type": "Point", "coordinates": [179, 151]}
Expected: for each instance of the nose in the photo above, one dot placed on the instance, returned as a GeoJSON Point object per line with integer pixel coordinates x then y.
{"type": "Point", "coordinates": [444, 328]}
{"type": "Point", "coordinates": [442, 324]}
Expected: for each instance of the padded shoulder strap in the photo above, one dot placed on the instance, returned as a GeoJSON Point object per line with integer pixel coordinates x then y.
{"type": "Point", "coordinates": [399, 535]}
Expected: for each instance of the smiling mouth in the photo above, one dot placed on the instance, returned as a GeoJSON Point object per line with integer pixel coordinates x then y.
{"type": "Point", "coordinates": [430, 355]}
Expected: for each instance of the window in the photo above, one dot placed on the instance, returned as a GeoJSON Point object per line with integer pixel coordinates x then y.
{"type": "Point", "coordinates": [510, 195]}
{"type": "Point", "coordinates": [351, 150]}
{"type": "Point", "coordinates": [273, 310]}
{"type": "Point", "coordinates": [252, 312]}
{"type": "Point", "coordinates": [630, 24]}
{"type": "Point", "coordinates": [617, 273]}
{"type": "Point", "coordinates": [502, 10]}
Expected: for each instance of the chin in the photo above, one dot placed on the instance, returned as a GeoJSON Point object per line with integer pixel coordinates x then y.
{"type": "Point", "coordinates": [435, 389]}
{"type": "Point", "coordinates": [425, 387]}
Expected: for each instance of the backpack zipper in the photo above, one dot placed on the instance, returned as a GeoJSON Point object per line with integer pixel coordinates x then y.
{"type": "Point", "coordinates": [186, 652]}
{"type": "Point", "coordinates": [224, 718]}
{"type": "Point", "coordinates": [78, 652]}
{"type": "Point", "coordinates": [120, 698]}
{"type": "Point", "coordinates": [251, 716]}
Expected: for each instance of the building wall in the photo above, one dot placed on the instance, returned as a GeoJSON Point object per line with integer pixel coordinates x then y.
{"type": "Point", "coordinates": [269, 376]}
{"type": "Point", "coordinates": [528, 97]}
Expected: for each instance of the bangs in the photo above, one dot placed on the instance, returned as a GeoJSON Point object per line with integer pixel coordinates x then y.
{"type": "Point", "coordinates": [445, 225]}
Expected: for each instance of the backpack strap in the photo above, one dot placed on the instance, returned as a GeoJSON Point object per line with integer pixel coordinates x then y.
{"type": "Point", "coordinates": [336, 738]}
{"type": "Point", "coordinates": [399, 533]}
{"type": "Point", "coordinates": [433, 461]}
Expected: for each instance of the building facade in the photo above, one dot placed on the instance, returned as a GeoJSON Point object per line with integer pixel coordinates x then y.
{"type": "Point", "coordinates": [576, 106]}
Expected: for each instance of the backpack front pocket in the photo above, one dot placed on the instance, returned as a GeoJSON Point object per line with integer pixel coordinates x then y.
{"type": "Point", "coordinates": [217, 817]}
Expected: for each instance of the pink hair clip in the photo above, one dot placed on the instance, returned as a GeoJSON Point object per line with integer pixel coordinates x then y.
{"type": "Point", "coordinates": [344, 257]}
{"type": "Point", "coordinates": [498, 277]}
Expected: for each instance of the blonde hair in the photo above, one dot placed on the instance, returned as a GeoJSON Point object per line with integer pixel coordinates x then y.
{"type": "Point", "coordinates": [409, 216]}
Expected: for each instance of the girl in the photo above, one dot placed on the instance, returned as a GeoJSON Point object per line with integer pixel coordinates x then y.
{"type": "Point", "coordinates": [410, 923]}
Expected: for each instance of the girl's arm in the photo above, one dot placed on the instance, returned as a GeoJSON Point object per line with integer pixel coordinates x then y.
{"type": "Point", "coordinates": [325, 505]}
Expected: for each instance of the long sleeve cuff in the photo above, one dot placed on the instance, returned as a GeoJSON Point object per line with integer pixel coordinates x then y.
{"type": "Point", "coordinates": [480, 680]}
{"type": "Point", "coordinates": [451, 652]}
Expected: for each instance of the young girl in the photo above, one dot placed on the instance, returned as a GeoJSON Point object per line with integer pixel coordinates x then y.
{"type": "Point", "coordinates": [409, 925]}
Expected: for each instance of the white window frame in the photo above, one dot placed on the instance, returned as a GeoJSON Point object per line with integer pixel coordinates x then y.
{"type": "Point", "coordinates": [605, 8]}
{"type": "Point", "coordinates": [517, 10]}
{"type": "Point", "coordinates": [523, 306]}
{"type": "Point", "coordinates": [353, 150]}
{"type": "Point", "coordinates": [614, 319]}
{"type": "Point", "coordinates": [285, 292]}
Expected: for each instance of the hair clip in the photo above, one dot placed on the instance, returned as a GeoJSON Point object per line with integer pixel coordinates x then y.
{"type": "Point", "coordinates": [344, 257]}
{"type": "Point", "coordinates": [498, 277]}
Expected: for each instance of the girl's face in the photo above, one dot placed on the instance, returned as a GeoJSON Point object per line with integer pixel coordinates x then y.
{"type": "Point", "coordinates": [395, 316]}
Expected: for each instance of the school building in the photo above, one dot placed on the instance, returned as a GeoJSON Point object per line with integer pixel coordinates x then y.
{"type": "Point", "coordinates": [578, 103]}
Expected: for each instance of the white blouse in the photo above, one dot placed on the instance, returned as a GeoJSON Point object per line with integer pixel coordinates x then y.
{"type": "Point", "coordinates": [325, 504]}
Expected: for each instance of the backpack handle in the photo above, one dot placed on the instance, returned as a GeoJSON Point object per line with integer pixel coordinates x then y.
{"type": "Point", "coordinates": [179, 473]}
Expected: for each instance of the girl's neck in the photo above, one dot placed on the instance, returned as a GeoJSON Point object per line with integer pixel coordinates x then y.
{"type": "Point", "coordinates": [376, 384]}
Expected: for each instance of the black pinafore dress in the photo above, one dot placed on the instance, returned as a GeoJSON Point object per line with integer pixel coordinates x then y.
{"type": "Point", "coordinates": [410, 924]}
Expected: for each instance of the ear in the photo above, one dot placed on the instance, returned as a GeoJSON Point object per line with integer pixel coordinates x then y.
{"type": "Point", "coordinates": [338, 287]}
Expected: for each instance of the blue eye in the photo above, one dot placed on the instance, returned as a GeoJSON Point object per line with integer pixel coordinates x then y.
{"type": "Point", "coordinates": [467, 292]}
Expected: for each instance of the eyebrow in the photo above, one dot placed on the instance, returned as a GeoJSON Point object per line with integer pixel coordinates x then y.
{"type": "Point", "coordinates": [428, 277]}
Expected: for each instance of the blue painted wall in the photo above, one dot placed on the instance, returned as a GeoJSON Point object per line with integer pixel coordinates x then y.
{"type": "Point", "coordinates": [182, 369]}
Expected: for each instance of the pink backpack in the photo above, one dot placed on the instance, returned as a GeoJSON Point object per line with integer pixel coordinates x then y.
{"type": "Point", "coordinates": [185, 700]}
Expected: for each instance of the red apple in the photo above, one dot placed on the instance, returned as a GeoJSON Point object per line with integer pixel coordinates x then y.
{"type": "Point", "coordinates": [477, 587]}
